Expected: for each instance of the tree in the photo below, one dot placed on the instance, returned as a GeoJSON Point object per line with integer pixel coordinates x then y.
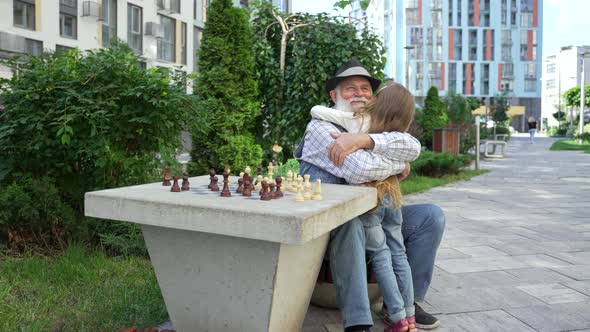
{"type": "Point", "coordinates": [572, 96]}
{"type": "Point", "coordinates": [227, 92]}
{"type": "Point", "coordinates": [343, 3]}
{"type": "Point", "coordinates": [314, 51]}
{"type": "Point", "coordinates": [433, 116]}
{"type": "Point", "coordinates": [459, 113]}
{"type": "Point", "coordinates": [500, 108]}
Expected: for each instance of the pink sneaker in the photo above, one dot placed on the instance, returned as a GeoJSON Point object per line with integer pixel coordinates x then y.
{"type": "Point", "coordinates": [399, 326]}
{"type": "Point", "coordinates": [412, 324]}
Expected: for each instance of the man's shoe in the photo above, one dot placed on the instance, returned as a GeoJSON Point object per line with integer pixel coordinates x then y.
{"type": "Point", "coordinates": [425, 320]}
{"type": "Point", "coordinates": [358, 328]}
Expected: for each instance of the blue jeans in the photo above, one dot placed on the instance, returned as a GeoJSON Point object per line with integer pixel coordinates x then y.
{"type": "Point", "coordinates": [532, 134]}
{"type": "Point", "coordinates": [422, 230]}
{"type": "Point", "coordinates": [385, 247]}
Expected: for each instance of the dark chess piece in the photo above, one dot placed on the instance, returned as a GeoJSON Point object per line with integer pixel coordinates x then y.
{"type": "Point", "coordinates": [214, 186]}
{"type": "Point", "coordinates": [240, 185]}
{"type": "Point", "coordinates": [225, 192]}
{"type": "Point", "coordinates": [211, 175]}
{"type": "Point", "coordinates": [264, 194]}
{"type": "Point", "coordinates": [175, 188]}
{"type": "Point", "coordinates": [166, 181]}
{"type": "Point", "coordinates": [185, 184]}
{"type": "Point", "coordinates": [259, 170]}
{"type": "Point", "coordinates": [278, 192]}
{"type": "Point", "coordinates": [247, 186]}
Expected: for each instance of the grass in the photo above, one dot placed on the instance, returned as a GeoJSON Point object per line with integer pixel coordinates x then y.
{"type": "Point", "coordinates": [416, 184]}
{"type": "Point", "coordinates": [84, 290]}
{"type": "Point", "coordinates": [570, 145]}
{"type": "Point", "coordinates": [78, 291]}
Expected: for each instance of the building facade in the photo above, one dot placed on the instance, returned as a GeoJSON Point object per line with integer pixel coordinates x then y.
{"type": "Point", "coordinates": [163, 33]}
{"type": "Point", "coordinates": [477, 48]}
{"type": "Point", "coordinates": [561, 72]}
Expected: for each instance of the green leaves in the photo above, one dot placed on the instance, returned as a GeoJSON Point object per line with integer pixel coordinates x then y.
{"type": "Point", "coordinates": [82, 116]}
{"type": "Point", "coordinates": [227, 92]}
{"type": "Point", "coordinates": [314, 52]}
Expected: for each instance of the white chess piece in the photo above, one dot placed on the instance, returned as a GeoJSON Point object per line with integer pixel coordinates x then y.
{"type": "Point", "coordinates": [299, 196]}
{"type": "Point", "coordinates": [288, 183]}
{"type": "Point", "coordinates": [318, 190]}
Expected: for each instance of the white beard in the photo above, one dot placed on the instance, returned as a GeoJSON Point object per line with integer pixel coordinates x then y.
{"type": "Point", "coordinates": [346, 105]}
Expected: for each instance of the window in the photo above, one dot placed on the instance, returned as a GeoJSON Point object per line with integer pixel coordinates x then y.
{"type": "Point", "coordinates": [550, 68]}
{"type": "Point", "coordinates": [33, 47]}
{"type": "Point", "coordinates": [61, 49]}
{"type": "Point", "coordinates": [24, 14]}
{"type": "Point", "coordinates": [197, 35]}
{"type": "Point", "coordinates": [550, 84]}
{"type": "Point", "coordinates": [109, 21]}
{"type": "Point", "coordinates": [67, 26]}
{"type": "Point", "coordinates": [183, 45]}
{"type": "Point", "coordinates": [167, 45]}
{"type": "Point", "coordinates": [134, 26]}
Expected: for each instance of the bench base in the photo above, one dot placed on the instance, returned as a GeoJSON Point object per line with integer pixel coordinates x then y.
{"type": "Point", "coordinates": [221, 283]}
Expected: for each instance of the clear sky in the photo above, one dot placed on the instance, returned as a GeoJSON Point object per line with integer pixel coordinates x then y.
{"type": "Point", "coordinates": [565, 22]}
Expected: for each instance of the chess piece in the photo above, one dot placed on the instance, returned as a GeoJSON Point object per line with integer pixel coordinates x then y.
{"type": "Point", "coordinates": [175, 188]}
{"type": "Point", "coordinates": [185, 183]}
{"type": "Point", "coordinates": [289, 180]}
{"type": "Point", "coordinates": [225, 192]}
{"type": "Point", "coordinates": [258, 170]}
{"type": "Point", "coordinates": [270, 171]}
{"type": "Point", "coordinates": [272, 193]}
{"type": "Point", "coordinates": [240, 184]}
{"type": "Point", "coordinates": [166, 181]}
{"type": "Point", "coordinates": [317, 195]}
{"type": "Point", "coordinates": [299, 196]}
{"type": "Point", "coordinates": [258, 183]}
{"type": "Point", "coordinates": [211, 175]}
{"type": "Point", "coordinates": [278, 192]}
{"type": "Point", "coordinates": [214, 186]}
{"type": "Point", "coordinates": [247, 170]}
{"type": "Point", "coordinates": [264, 194]}
{"type": "Point", "coordinates": [247, 186]}
{"type": "Point", "coordinates": [306, 177]}
{"type": "Point", "coordinates": [307, 194]}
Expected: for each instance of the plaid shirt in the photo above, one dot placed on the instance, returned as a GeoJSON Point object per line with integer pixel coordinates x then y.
{"type": "Point", "coordinates": [388, 157]}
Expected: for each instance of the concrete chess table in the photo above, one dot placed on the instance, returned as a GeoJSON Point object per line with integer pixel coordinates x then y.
{"type": "Point", "coordinates": [237, 263]}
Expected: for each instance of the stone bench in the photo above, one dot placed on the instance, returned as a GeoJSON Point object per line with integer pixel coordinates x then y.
{"type": "Point", "coordinates": [235, 263]}
{"type": "Point", "coordinates": [489, 148]}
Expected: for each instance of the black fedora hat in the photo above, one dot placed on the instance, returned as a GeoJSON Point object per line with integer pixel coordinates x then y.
{"type": "Point", "coordinates": [351, 68]}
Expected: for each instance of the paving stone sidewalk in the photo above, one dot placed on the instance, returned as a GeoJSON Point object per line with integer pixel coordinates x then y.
{"type": "Point", "coordinates": [516, 251]}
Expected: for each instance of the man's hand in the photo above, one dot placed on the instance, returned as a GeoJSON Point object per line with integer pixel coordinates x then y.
{"type": "Point", "coordinates": [404, 174]}
{"type": "Point", "coordinates": [346, 144]}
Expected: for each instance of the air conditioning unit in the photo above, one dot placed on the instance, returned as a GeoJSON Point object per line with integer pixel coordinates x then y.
{"type": "Point", "coordinates": [154, 29]}
{"type": "Point", "coordinates": [90, 8]}
{"type": "Point", "coordinates": [12, 43]}
{"type": "Point", "coordinates": [169, 6]}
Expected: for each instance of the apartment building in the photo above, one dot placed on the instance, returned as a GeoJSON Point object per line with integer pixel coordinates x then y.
{"type": "Point", "coordinates": [476, 48]}
{"type": "Point", "coordinates": [561, 72]}
{"type": "Point", "coordinates": [163, 33]}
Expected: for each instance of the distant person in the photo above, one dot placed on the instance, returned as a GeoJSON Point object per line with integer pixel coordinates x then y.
{"type": "Point", "coordinates": [532, 128]}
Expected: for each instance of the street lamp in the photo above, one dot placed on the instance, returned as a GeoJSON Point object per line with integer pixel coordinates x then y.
{"type": "Point", "coordinates": [582, 97]}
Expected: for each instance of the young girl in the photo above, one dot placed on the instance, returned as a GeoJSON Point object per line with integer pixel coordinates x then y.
{"type": "Point", "coordinates": [392, 109]}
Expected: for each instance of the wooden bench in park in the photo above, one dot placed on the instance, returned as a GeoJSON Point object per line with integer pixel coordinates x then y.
{"type": "Point", "coordinates": [489, 148]}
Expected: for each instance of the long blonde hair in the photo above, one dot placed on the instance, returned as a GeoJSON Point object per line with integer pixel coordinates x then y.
{"type": "Point", "coordinates": [392, 109]}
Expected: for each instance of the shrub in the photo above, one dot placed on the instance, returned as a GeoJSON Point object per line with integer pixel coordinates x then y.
{"type": "Point", "coordinates": [90, 120]}
{"type": "Point", "coordinates": [313, 52]}
{"type": "Point", "coordinates": [33, 215]}
{"type": "Point", "coordinates": [227, 91]}
{"type": "Point", "coordinates": [438, 164]}
{"type": "Point", "coordinates": [433, 116]}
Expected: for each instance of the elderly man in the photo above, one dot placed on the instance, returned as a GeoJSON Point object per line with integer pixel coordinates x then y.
{"type": "Point", "coordinates": [328, 153]}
